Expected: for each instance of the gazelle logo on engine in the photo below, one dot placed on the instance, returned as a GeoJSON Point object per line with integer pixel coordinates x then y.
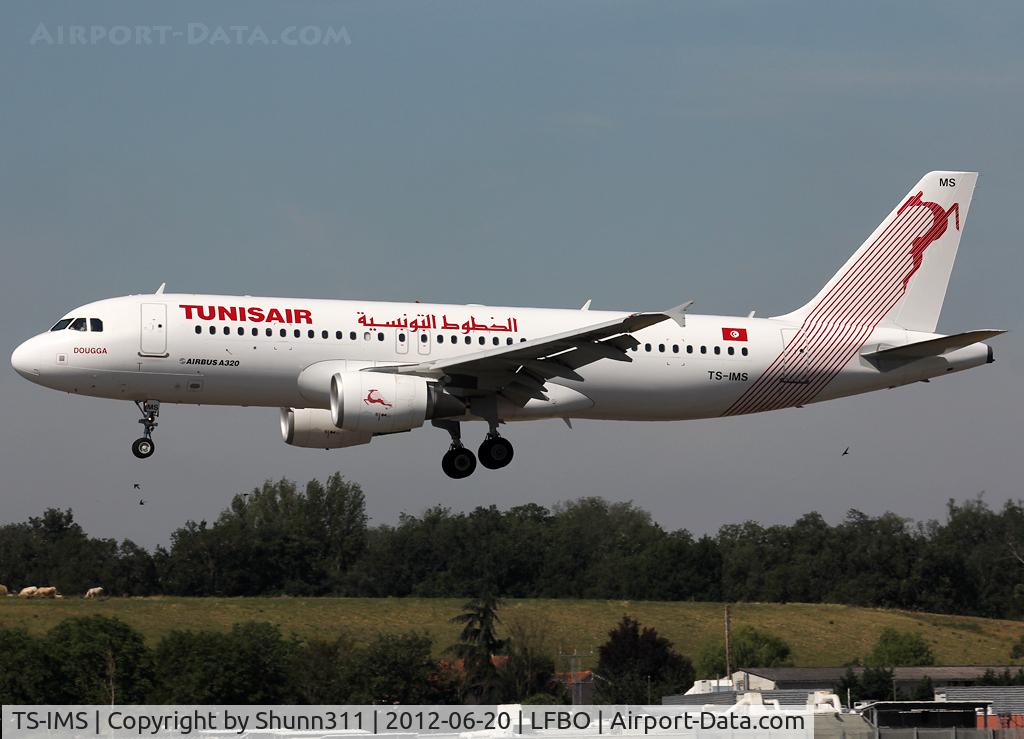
{"type": "Point", "coordinates": [373, 398]}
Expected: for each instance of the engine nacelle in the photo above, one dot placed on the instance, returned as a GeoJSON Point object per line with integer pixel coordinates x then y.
{"type": "Point", "coordinates": [385, 403]}
{"type": "Point", "coordinates": [313, 428]}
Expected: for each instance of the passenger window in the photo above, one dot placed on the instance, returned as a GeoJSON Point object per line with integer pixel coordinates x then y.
{"type": "Point", "coordinates": [241, 331]}
{"type": "Point", "coordinates": [270, 332]}
{"type": "Point", "coordinates": [675, 348]}
{"type": "Point", "coordinates": [401, 338]}
{"type": "Point", "coordinates": [689, 348]}
{"type": "Point", "coordinates": [311, 333]}
{"type": "Point", "coordinates": [440, 339]}
{"type": "Point", "coordinates": [661, 348]}
{"type": "Point", "coordinates": [255, 331]}
{"type": "Point", "coordinates": [352, 335]}
{"type": "Point", "coordinates": [297, 333]}
{"type": "Point", "coordinates": [199, 329]}
{"type": "Point", "coordinates": [424, 338]}
{"type": "Point", "coordinates": [521, 341]}
{"type": "Point", "coordinates": [718, 350]}
{"type": "Point", "coordinates": [731, 351]}
{"type": "Point", "coordinates": [647, 347]}
{"type": "Point", "coordinates": [366, 336]}
{"type": "Point", "coordinates": [78, 324]}
{"type": "Point", "coordinates": [483, 340]}
{"type": "Point", "coordinates": [455, 339]}
{"type": "Point", "coordinates": [61, 324]}
{"type": "Point", "coordinates": [508, 341]}
{"type": "Point", "coordinates": [324, 335]}
{"type": "Point", "coordinates": [284, 333]}
{"type": "Point", "coordinates": [743, 351]}
{"type": "Point", "coordinates": [338, 335]}
{"type": "Point", "coordinates": [95, 324]}
{"type": "Point", "coordinates": [227, 330]}
{"type": "Point", "coordinates": [495, 341]}
{"type": "Point", "coordinates": [703, 350]}
{"type": "Point", "coordinates": [468, 340]}
{"type": "Point", "coordinates": [213, 330]}
{"type": "Point", "coordinates": [380, 336]}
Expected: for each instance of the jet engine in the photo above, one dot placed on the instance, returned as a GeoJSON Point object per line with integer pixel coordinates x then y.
{"type": "Point", "coordinates": [313, 428]}
{"type": "Point", "coordinates": [386, 403]}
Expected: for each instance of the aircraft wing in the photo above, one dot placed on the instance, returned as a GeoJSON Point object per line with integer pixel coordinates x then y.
{"type": "Point", "coordinates": [933, 347]}
{"type": "Point", "coordinates": [519, 371]}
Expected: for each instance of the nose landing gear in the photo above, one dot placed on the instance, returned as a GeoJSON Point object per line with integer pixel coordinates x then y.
{"type": "Point", "coordinates": [144, 447]}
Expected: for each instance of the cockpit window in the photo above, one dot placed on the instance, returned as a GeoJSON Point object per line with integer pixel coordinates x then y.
{"type": "Point", "coordinates": [95, 324]}
{"type": "Point", "coordinates": [62, 324]}
{"type": "Point", "coordinates": [78, 325]}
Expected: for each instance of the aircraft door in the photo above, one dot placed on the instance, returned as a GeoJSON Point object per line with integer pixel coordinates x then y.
{"type": "Point", "coordinates": [797, 359]}
{"type": "Point", "coordinates": [153, 336]}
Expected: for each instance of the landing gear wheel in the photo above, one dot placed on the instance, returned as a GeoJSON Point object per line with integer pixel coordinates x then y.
{"type": "Point", "coordinates": [143, 448]}
{"type": "Point", "coordinates": [458, 462]}
{"type": "Point", "coordinates": [495, 452]}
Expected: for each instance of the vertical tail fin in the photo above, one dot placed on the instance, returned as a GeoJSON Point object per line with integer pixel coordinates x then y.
{"type": "Point", "coordinates": [899, 276]}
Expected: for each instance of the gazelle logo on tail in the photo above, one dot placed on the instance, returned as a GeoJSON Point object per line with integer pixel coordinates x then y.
{"type": "Point", "coordinates": [940, 222]}
{"type": "Point", "coordinates": [871, 288]}
{"type": "Point", "coordinates": [373, 398]}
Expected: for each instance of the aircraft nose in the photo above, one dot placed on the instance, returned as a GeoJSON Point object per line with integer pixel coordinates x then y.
{"type": "Point", "coordinates": [24, 360]}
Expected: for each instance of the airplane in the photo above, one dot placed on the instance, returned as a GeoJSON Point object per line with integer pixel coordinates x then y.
{"type": "Point", "coordinates": [344, 372]}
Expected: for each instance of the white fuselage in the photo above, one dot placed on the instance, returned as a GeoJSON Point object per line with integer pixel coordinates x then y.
{"type": "Point", "coordinates": [281, 352]}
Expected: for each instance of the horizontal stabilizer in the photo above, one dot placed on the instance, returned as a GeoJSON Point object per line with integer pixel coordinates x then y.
{"type": "Point", "coordinates": [932, 347]}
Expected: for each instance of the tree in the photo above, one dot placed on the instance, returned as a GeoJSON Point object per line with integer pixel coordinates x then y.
{"type": "Point", "coordinates": [639, 666]}
{"type": "Point", "coordinates": [30, 681]}
{"type": "Point", "coordinates": [478, 642]}
{"type": "Point", "coordinates": [529, 671]}
{"type": "Point", "coordinates": [750, 647]}
{"type": "Point", "coordinates": [98, 660]}
{"type": "Point", "coordinates": [901, 649]}
{"type": "Point", "coordinates": [924, 690]}
{"type": "Point", "coordinates": [849, 688]}
{"type": "Point", "coordinates": [396, 668]}
{"type": "Point", "coordinates": [251, 664]}
{"type": "Point", "coordinates": [876, 684]}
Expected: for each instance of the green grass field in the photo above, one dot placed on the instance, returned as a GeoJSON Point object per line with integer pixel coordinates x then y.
{"type": "Point", "coordinates": [820, 635]}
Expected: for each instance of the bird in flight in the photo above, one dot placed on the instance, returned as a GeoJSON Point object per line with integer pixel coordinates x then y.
{"type": "Point", "coordinates": [142, 502]}
{"type": "Point", "coordinates": [136, 486]}
{"type": "Point", "coordinates": [845, 452]}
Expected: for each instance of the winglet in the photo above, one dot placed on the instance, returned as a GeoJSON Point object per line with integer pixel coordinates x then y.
{"type": "Point", "coordinates": [678, 314]}
{"type": "Point", "coordinates": [160, 290]}
{"type": "Point", "coordinates": [586, 306]}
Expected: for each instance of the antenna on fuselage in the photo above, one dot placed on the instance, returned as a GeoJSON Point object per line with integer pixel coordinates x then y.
{"type": "Point", "coordinates": [160, 290]}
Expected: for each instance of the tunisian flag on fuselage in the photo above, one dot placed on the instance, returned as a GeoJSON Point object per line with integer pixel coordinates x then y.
{"type": "Point", "coordinates": [734, 334]}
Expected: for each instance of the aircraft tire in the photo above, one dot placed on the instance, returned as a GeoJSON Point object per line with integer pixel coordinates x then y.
{"type": "Point", "coordinates": [495, 453]}
{"type": "Point", "coordinates": [143, 448]}
{"type": "Point", "coordinates": [458, 463]}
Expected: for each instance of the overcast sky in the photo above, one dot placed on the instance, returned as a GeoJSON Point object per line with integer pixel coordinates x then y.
{"type": "Point", "coordinates": [637, 153]}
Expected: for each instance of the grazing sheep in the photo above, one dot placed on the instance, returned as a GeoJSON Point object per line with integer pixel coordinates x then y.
{"type": "Point", "coordinates": [50, 592]}
{"type": "Point", "coordinates": [29, 592]}
{"type": "Point", "coordinates": [94, 593]}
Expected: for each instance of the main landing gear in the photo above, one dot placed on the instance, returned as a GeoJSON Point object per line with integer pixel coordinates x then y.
{"type": "Point", "coordinates": [459, 462]}
{"type": "Point", "coordinates": [144, 447]}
